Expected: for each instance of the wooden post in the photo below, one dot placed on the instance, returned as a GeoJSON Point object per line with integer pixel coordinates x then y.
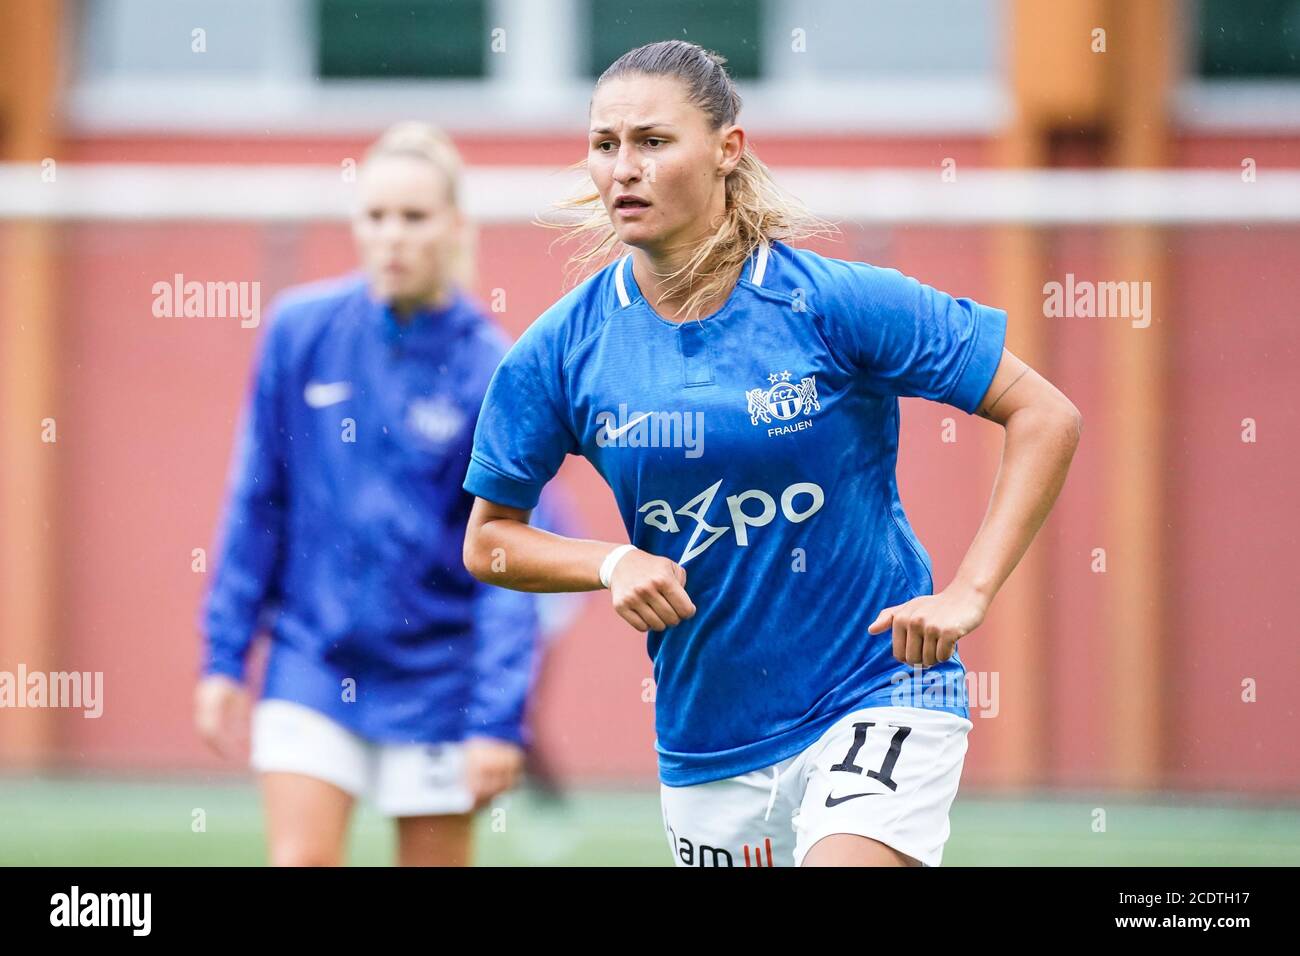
{"type": "Point", "coordinates": [1142, 44]}
{"type": "Point", "coordinates": [1054, 79]}
{"type": "Point", "coordinates": [1098, 67]}
{"type": "Point", "coordinates": [29, 62]}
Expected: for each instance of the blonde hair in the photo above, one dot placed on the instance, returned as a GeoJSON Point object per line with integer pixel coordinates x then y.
{"type": "Point", "coordinates": [757, 209]}
{"type": "Point", "coordinates": [424, 141]}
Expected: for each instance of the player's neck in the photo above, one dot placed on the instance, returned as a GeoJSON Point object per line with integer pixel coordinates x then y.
{"type": "Point", "coordinates": [405, 309]}
{"type": "Point", "coordinates": [651, 269]}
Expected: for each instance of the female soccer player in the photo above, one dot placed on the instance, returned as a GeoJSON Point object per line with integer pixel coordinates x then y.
{"type": "Point", "coordinates": [740, 397]}
{"type": "Point", "coordinates": [392, 672]}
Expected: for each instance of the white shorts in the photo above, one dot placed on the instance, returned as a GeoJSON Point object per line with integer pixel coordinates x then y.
{"type": "Point", "coordinates": [403, 780]}
{"type": "Point", "coordinates": [888, 773]}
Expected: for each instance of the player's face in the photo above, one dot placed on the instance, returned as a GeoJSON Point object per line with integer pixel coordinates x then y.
{"type": "Point", "coordinates": [647, 141]}
{"type": "Point", "coordinates": [406, 229]}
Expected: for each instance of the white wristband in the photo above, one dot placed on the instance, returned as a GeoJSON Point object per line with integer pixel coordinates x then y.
{"type": "Point", "coordinates": [611, 559]}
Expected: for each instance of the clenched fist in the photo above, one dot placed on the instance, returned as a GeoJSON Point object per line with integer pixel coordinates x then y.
{"type": "Point", "coordinates": [649, 592]}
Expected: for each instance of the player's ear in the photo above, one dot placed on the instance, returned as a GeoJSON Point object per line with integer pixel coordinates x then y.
{"type": "Point", "coordinates": [731, 149]}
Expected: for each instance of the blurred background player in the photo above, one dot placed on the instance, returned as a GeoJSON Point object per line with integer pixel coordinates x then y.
{"type": "Point", "coordinates": [391, 671]}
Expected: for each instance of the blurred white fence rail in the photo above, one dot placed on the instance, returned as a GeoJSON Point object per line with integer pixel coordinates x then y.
{"type": "Point", "coordinates": [157, 192]}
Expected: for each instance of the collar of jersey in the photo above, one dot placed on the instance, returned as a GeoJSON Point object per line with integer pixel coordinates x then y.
{"type": "Point", "coordinates": [627, 292]}
{"type": "Point", "coordinates": [428, 327]}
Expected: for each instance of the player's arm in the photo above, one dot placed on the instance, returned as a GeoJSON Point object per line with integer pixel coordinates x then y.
{"type": "Point", "coordinates": [506, 646]}
{"type": "Point", "coordinates": [502, 548]}
{"type": "Point", "coordinates": [523, 434]}
{"type": "Point", "coordinates": [910, 339]}
{"type": "Point", "coordinates": [1043, 429]}
{"type": "Point", "coordinates": [1031, 393]}
{"type": "Point", "coordinates": [253, 533]}
{"type": "Point", "coordinates": [253, 522]}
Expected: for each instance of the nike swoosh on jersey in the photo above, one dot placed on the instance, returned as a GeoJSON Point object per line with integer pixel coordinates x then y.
{"type": "Point", "coordinates": [611, 434]}
{"type": "Point", "coordinates": [324, 394]}
{"type": "Point", "coordinates": [836, 801]}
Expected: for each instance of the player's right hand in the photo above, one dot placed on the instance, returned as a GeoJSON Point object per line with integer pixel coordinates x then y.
{"type": "Point", "coordinates": [649, 591]}
{"type": "Point", "coordinates": [221, 710]}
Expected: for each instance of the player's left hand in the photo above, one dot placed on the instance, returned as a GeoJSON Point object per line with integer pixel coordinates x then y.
{"type": "Point", "coordinates": [927, 628]}
{"type": "Point", "coordinates": [491, 767]}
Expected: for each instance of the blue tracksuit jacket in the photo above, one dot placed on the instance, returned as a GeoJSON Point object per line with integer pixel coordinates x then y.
{"type": "Point", "coordinates": [345, 521]}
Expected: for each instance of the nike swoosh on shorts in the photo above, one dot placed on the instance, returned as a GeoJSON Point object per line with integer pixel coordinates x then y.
{"type": "Point", "coordinates": [836, 801]}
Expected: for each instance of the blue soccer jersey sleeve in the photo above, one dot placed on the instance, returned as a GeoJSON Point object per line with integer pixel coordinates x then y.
{"type": "Point", "coordinates": [507, 646]}
{"type": "Point", "coordinates": [908, 338]}
{"type": "Point", "coordinates": [254, 520]}
{"type": "Point", "coordinates": [524, 429]}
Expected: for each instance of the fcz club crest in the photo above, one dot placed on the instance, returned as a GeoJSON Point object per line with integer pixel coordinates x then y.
{"type": "Point", "coordinates": [784, 400]}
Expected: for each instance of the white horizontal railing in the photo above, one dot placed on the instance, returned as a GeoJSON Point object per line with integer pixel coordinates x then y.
{"type": "Point", "coordinates": [157, 192]}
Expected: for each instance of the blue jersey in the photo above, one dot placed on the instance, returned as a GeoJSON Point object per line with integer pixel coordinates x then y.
{"type": "Point", "coordinates": [757, 448]}
{"type": "Point", "coordinates": [346, 519]}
